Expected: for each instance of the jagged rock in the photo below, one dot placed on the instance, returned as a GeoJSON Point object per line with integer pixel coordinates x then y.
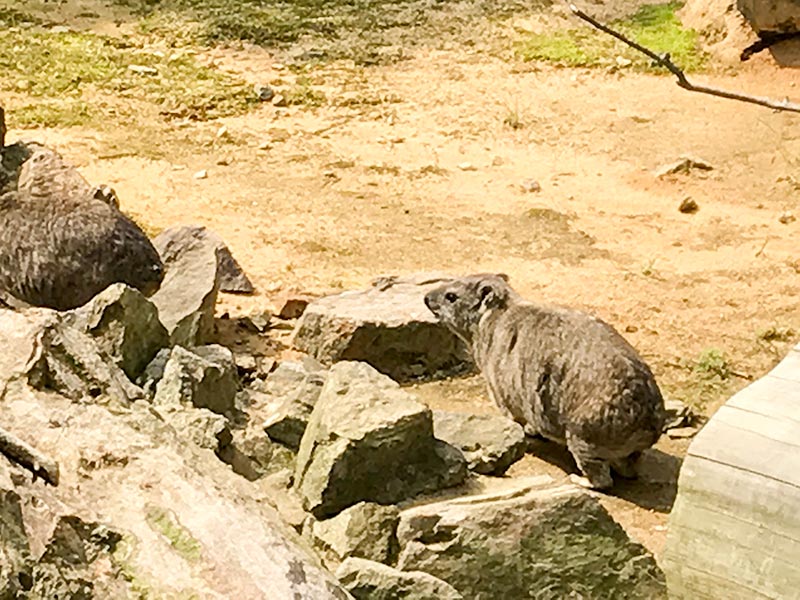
{"type": "Point", "coordinates": [365, 530]}
{"type": "Point", "coordinates": [204, 377]}
{"type": "Point", "coordinates": [296, 387]}
{"type": "Point", "coordinates": [190, 527]}
{"type": "Point", "coordinates": [201, 426]}
{"type": "Point", "coordinates": [387, 326]}
{"type": "Point", "coordinates": [533, 539]}
{"type": "Point", "coordinates": [188, 293]}
{"type": "Point", "coordinates": [42, 349]}
{"type": "Point", "coordinates": [369, 440]}
{"type": "Point", "coordinates": [249, 453]}
{"type": "Point", "coordinates": [490, 443]}
{"type": "Point", "coordinates": [154, 371]}
{"type": "Point", "coordinates": [369, 580]}
{"type": "Point", "coordinates": [124, 325]}
{"type": "Point", "coordinates": [678, 415]}
{"type": "Point", "coordinates": [15, 558]}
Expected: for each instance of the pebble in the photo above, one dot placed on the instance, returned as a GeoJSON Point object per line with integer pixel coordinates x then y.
{"type": "Point", "coordinates": [467, 166]}
{"type": "Point", "coordinates": [787, 217]}
{"type": "Point", "coordinates": [201, 174]}
{"type": "Point", "coordinates": [688, 206]}
{"type": "Point", "coordinates": [531, 185]}
{"type": "Point", "coordinates": [264, 92]}
{"type": "Point", "coordinates": [143, 70]}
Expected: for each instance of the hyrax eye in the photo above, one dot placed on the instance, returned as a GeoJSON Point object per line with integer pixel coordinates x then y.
{"type": "Point", "coordinates": [450, 297]}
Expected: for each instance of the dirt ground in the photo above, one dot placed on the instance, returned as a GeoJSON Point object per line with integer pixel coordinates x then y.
{"type": "Point", "coordinates": [421, 165]}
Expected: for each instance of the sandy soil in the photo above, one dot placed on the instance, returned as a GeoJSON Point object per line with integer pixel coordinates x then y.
{"type": "Point", "coordinates": [413, 166]}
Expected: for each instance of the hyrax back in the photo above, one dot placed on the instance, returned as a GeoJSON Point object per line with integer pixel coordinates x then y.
{"type": "Point", "coordinates": [60, 245]}
{"type": "Point", "coordinates": [560, 373]}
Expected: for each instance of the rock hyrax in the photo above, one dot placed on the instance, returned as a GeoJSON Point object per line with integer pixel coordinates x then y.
{"type": "Point", "coordinates": [560, 373]}
{"type": "Point", "coordinates": [60, 244]}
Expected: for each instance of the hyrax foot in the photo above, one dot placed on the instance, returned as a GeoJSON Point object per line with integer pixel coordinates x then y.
{"type": "Point", "coordinates": [627, 467]}
{"type": "Point", "coordinates": [596, 471]}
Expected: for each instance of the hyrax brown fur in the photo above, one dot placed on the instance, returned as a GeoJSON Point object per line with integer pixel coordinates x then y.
{"type": "Point", "coordinates": [560, 373]}
{"type": "Point", "coordinates": [62, 242]}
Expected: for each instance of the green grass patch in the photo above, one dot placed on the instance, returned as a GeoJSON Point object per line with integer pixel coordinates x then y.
{"type": "Point", "coordinates": [655, 26]}
{"type": "Point", "coordinates": [71, 78]}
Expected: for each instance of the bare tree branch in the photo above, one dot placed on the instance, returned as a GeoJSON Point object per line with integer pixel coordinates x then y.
{"type": "Point", "coordinates": [664, 61]}
{"type": "Point", "coordinates": [26, 456]}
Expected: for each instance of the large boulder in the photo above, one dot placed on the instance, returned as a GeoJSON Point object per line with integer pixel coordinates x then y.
{"type": "Point", "coordinates": [369, 440]}
{"type": "Point", "coordinates": [204, 377]}
{"type": "Point", "coordinates": [125, 326]}
{"type": "Point", "coordinates": [490, 443]}
{"type": "Point", "coordinates": [531, 540]}
{"type": "Point", "coordinates": [387, 326]}
{"type": "Point", "coordinates": [188, 294]}
{"type": "Point", "coordinates": [369, 580]}
{"type": "Point", "coordinates": [150, 515]}
{"type": "Point", "coordinates": [365, 530]}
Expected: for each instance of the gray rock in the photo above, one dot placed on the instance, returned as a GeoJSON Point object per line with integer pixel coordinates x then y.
{"type": "Point", "coordinates": [15, 557]}
{"type": "Point", "coordinates": [125, 326]}
{"type": "Point", "coordinates": [204, 377]}
{"type": "Point", "coordinates": [531, 539]}
{"type": "Point", "coordinates": [490, 443]}
{"type": "Point", "coordinates": [188, 294]}
{"type": "Point", "coordinates": [387, 326]}
{"type": "Point", "coordinates": [369, 580]}
{"type": "Point", "coordinates": [365, 530]}
{"type": "Point", "coordinates": [249, 454]}
{"type": "Point", "coordinates": [66, 360]}
{"type": "Point", "coordinates": [296, 388]}
{"type": "Point", "coordinates": [771, 15]}
{"type": "Point", "coordinates": [678, 415]}
{"type": "Point", "coordinates": [154, 371]}
{"type": "Point", "coordinates": [199, 425]}
{"type": "Point", "coordinates": [368, 440]}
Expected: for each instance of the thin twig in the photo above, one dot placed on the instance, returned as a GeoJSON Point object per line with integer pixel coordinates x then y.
{"type": "Point", "coordinates": [763, 246]}
{"type": "Point", "coordinates": [664, 61]}
{"type": "Point", "coordinates": [28, 457]}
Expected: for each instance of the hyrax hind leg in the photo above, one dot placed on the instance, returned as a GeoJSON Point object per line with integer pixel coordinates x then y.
{"type": "Point", "coordinates": [596, 471]}
{"type": "Point", "coordinates": [628, 466]}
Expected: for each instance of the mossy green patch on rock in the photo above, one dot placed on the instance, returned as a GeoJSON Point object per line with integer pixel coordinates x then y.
{"type": "Point", "coordinates": [164, 522]}
{"type": "Point", "coordinates": [655, 26]}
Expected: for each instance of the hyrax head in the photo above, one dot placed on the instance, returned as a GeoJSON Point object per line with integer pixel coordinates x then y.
{"type": "Point", "coordinates": [461, 303]}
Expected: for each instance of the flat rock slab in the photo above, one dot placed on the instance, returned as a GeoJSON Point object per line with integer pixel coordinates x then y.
{"type": "Point", "coordinates": [387, 326]}
{"type": "Point", "coordinates": [532, 540]}
{"type": "Point", "coordinates": [369, 440]}
{"type": "Point", "coordinates": [369, 580]}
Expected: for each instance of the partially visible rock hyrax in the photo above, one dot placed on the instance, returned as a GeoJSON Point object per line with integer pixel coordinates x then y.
{"type": "Point", "coordinates": [560, 373]}
{"type": "Point", "coordinates": [60, 245]}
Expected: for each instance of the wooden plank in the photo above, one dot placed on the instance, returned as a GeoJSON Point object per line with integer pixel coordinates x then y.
{"type": "Point", "coordinates": [789, 367]}
{"type": "Point", "coordinates": [772, 396]}
{"type": "Point", "coordinates": [731, 528]}
{"type": "Point", "coordinates": [754, 451]}
{"type": "Point", "coordinates": [744, 496]}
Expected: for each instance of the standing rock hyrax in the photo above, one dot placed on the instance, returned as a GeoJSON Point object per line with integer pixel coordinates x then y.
{"type": "Point", "coordinates": [61, 243]}
{"type": "Point", "coordinates": [560, 373]}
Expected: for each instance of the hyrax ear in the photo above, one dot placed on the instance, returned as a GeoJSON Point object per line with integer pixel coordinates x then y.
{"type": "Point", "coordinates": [503, 276]}
{"type": "Point", "coordinates": [492, 294]}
